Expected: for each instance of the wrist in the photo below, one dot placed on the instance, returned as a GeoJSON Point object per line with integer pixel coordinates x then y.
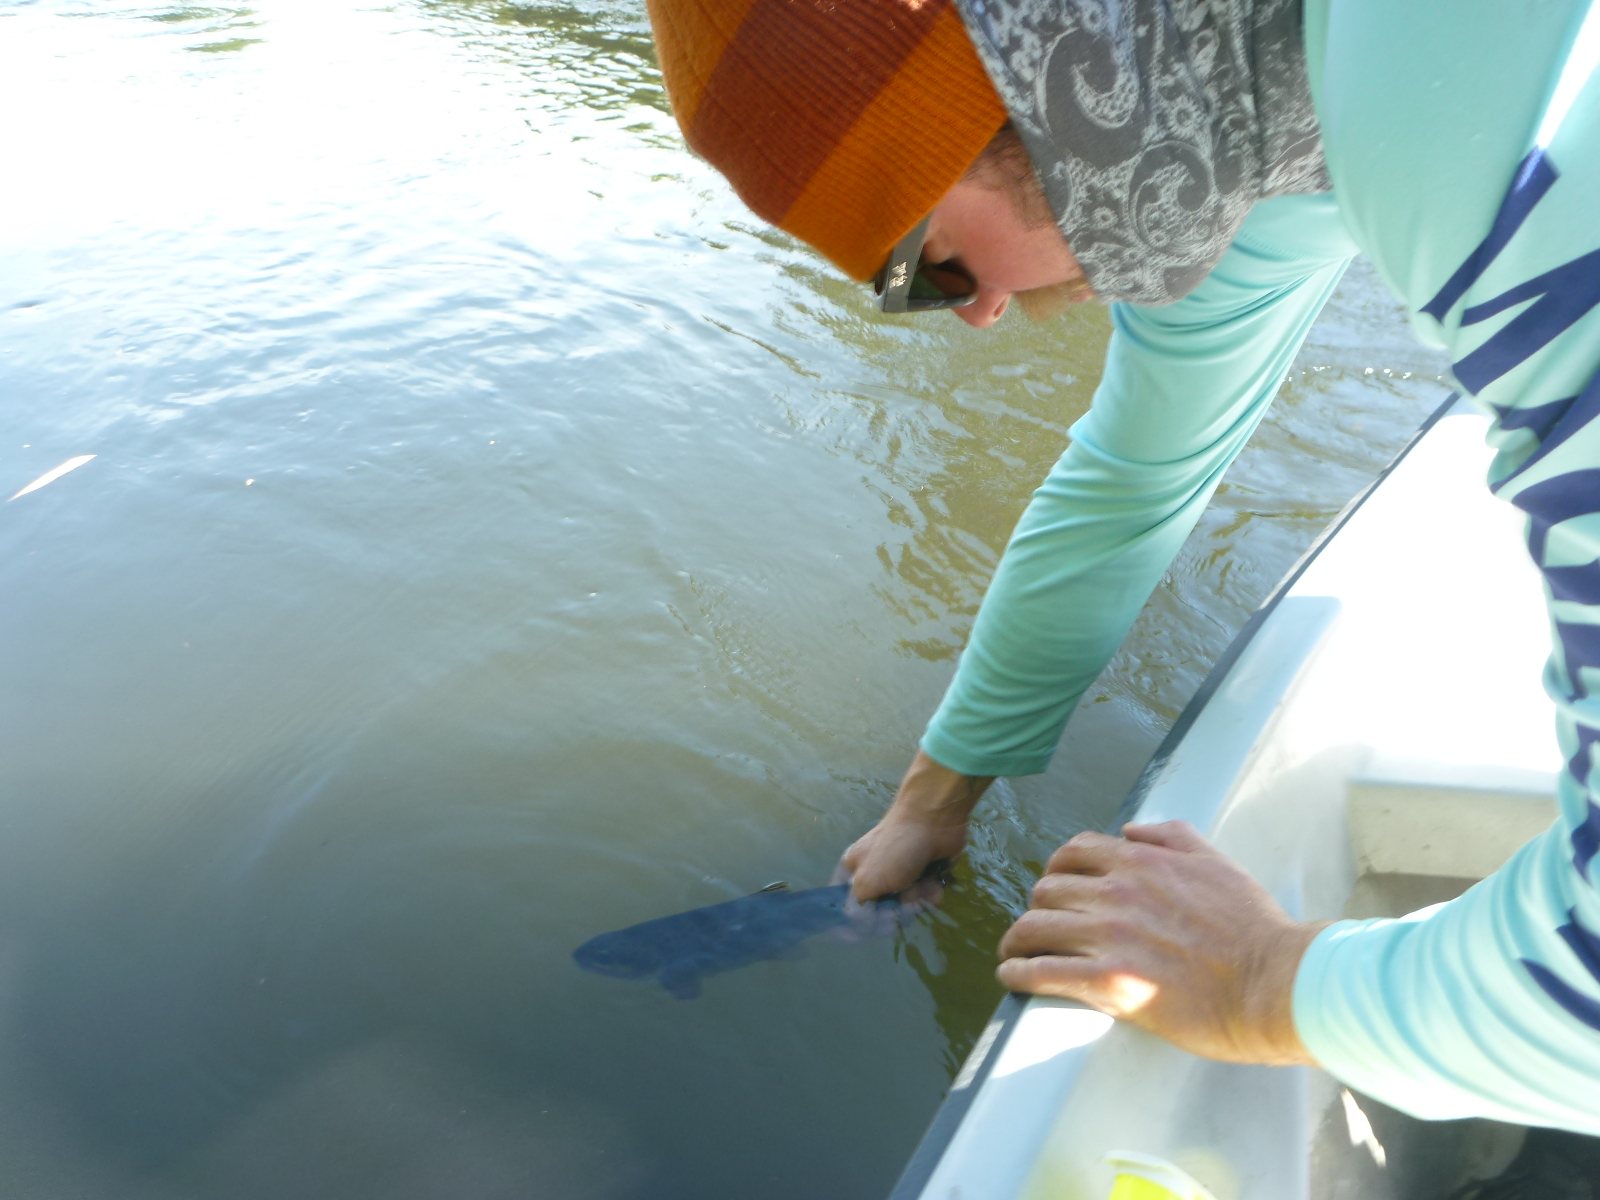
{"type": "Point", "coordinates": [1271, 1001]}
{"type": "Point", "coordinates": [932, 792]}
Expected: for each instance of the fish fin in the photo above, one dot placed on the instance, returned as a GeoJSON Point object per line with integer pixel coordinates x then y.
{"type": "Point", "coordinates": [781, 885]}
{"type": "Point", "coordinates": [684, 985]}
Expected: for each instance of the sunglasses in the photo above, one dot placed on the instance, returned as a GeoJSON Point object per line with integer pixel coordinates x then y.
{"type": "Point", "coordinates": [907, 284]}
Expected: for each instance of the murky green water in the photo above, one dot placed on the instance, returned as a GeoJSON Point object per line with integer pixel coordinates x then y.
{"type": "Point", "coordinates": [496, 537]}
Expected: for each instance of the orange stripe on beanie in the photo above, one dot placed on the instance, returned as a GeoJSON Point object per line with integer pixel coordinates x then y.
{"type": "Point", "coordinates": [841, 121]}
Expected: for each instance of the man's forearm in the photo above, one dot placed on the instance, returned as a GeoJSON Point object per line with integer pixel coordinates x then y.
{"type": "Point", "coordinates": [1184, 387]}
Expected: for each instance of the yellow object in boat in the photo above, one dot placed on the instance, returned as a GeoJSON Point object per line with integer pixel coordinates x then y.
{"type": "Point", "coordinates": [1146, 1177]}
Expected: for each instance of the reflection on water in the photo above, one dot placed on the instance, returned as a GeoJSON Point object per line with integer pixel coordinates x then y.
{"type": "Point", "coordinates": [495, 537]}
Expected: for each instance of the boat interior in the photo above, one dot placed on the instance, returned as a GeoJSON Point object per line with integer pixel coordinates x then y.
{"type": "Point", "coordinates": [1419, 835]}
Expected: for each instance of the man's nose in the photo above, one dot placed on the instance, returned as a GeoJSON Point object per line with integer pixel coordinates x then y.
{"type": "Point", "coordinates": [983, 312]}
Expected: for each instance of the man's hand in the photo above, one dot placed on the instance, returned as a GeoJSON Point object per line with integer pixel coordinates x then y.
{"type": "Point", "coordinates": [926, 822]}
{"type": "Point", "coordinates": [1159, 929]}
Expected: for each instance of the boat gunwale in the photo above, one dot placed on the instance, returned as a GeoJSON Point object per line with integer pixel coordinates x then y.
{"type": "Point", "coordinates": [952, 1111]}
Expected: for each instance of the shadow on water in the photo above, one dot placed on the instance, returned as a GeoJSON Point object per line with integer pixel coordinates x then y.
{"type": "Point", "coordinates": [360, 983]}
{"type": "Point", "coordinates": [958, 943]}
{"type": "Point", "coordinates": [356, 970]}
{"type": "Point", "coordinates": [318, 982]}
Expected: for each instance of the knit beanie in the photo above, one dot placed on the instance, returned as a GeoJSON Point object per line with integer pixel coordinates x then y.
{"type": "Point", "coordinates": [841, 121]}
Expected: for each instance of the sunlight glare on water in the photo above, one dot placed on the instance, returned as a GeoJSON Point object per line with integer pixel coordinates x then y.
{"type": "Point", "coordinates": [494, 536]}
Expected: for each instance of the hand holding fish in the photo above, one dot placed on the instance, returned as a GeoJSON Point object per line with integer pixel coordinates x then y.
{"type": "Point", "coordinates": [1160, 929]}
{"type": "Point", "coordinates": [926, 822]}
{"type": "Point", "coordinates": [680, 950]}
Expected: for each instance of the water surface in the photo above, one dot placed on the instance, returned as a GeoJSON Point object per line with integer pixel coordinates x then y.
{"type": "Point", "coordinates": [496, 536]}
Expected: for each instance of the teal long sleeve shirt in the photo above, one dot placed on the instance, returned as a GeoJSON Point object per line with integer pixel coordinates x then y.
{"type": "Point", "coordinates": [1437, 117]}
{"type": "Point", "coordinates": [1431, 113]}
{"type": "Point", "coordinates": [1184, 387]}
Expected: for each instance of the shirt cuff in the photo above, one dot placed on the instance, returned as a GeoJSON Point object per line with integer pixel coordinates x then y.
{"type": "Point", "coordinates": [1357, 1031]}
{"type": "Point", "coordinates": [950, 753]}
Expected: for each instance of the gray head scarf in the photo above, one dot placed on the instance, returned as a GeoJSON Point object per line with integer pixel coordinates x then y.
{"type": "Point", "coordinates": [1154, 125]}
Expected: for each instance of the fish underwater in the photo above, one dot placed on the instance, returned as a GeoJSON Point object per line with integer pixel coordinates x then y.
{"type": "Point", "coordinates": [680, 950]}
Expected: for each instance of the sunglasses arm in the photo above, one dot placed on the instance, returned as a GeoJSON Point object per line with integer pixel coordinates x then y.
{"type": "Point", "coordinates": [902, 265]}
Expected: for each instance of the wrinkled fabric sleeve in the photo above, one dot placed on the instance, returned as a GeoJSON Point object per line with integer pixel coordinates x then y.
{"type": "Point", "coordinates": [1488, 1005]}
{"type": "Point", "coordinates": [1185, 385]}
{"type": "Point", "coordinates": [1464, 1009]}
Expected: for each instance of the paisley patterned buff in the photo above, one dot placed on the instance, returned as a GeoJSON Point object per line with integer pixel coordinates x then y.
{"type": "Point", "coordinates": [1154, 124]}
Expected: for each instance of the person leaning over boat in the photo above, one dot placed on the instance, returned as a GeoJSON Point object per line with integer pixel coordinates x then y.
{"type": "Point", "coordinates": [1209, 170]}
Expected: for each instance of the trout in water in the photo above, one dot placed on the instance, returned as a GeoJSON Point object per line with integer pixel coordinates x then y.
{"type": "Point", "coordinates": [680, 950]}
